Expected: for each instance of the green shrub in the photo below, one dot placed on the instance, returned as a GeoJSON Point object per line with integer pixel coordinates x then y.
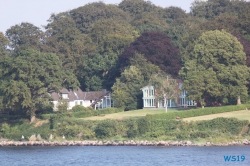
{"type": "Point", "coordinates": [105, 129]}
{"type": "Point", "coordinates": [62, 106]}
{"type": "Point", "coordinates": [18, 129]}
{"type": "Point", "coordinates": [143, 125]}
{"type": "Point", "coordinates": [88, 134]}
{"type": "Point", "coordinates": [110, 110]}
{"type": "Point", "coordinates": [69, 131]}
{"type": "Point", "coordinates": [199, 112]}
{"type": "Point", "coordinates": [54, 119]}
{"type": "Point", "coordinates": [132, 128]}
{"type": "Point", "coordinates": [83, 114]}
{"type": "Point", "coordinates": [199, 134]}
{"type": "Point", "coordinates": [5, 129]}
{"type": "Point", "coordinates": [182, 135]}
{"type": "Point", "coordinates": [156, 134]}
{"type": "Point", "coordinates": [44, 116]}
{"type": "Point", "coordinates": [224, 125]}
{"type": "Point", "coordinates": [78, 108]}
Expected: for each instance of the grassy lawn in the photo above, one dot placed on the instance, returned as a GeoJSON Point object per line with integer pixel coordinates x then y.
{"type": "Point", "coordinates": [242, 115]}
{"type": "Point", "coordinates": [129, 114]}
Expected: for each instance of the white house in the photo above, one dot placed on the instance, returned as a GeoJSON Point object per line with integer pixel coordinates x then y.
{"type": "Point", "coordinates": [150, 101]}
{"type": "Point", "coordinates": [95, 99]}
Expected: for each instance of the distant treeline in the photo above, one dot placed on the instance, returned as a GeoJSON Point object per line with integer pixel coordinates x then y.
{"type": "Point", "coordinates": [119, 48]}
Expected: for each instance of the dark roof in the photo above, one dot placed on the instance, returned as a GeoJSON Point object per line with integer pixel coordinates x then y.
{"type": "Point", "coordinates": [80, 95]}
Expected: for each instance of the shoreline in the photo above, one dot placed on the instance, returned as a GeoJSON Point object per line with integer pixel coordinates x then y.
{"type": "Point", "coordinates": [119, 143]}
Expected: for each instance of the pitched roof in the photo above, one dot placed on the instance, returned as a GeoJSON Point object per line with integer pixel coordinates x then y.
{"type": "Point", "coordinates": [80, 95]}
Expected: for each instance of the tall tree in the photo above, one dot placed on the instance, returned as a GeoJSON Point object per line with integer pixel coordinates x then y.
{"type": "Point", "coordinates": [112, 36]}
{"type": "Point", "coordinates": [244, 17]}
{"type": "Point", "coordinates": [246, 45]}
{"type": "Point", "coordinates": [27, 80]}
{"type": "Point", "coordinates": [86, 15]}
{"type": "Point", "coordinates": [3, 45]}
{"type": "Point", "coordinates": [145, 15]}
{"type": "Point", "coordinates": [126, 90]}
{"type": "Point", "coordinates": [156, 48]}
{"type": "Point", "coordinates": [210, 9]}
{"type": "Point", "coordinates": [25, 36]}
{"type": "Point", "coordinates": [165, 88]}
{"type": "Point", "coordinates": [217, 68]}
{"type": "Point", "coordinates": [175, 13]}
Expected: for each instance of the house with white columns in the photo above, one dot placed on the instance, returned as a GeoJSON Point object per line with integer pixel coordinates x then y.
{"type": "Point", "coordinates": [150, 100]}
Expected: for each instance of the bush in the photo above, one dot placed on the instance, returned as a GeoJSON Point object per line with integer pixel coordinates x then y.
{"type": "Point", "coordinates": [156, 134]}
{"type": "Point", "coordinates": [69, 131]}
{"type": "Point", "coordinates": [17, 130]}
{"type": "Point", "coordinates": [143, 125]}
{"type": "Point", "coordinates": [5, 129]}
{"type": "Point", "coordinates": [224, 125]}
{"type": "Point", "coordinates": [88, 134]}
{"type": "Point", "coordinates": [45, 116]}
{"type": "Point", "coordinates": [132, 128]}
{"type": "Point", "coordinates": [105, 129]}
{"type": "Point", "coordinates": [78, 108]}
{"type": "Point", "coordinates": [110, 110]}
{"type": "Point", "coordinates": [179, 135]}
{"type": "Point", "coordinates": [54, 119]}
{"type": "Point", "coordinates": [199, 134]}
{"type": "Point", "coordinates": [83, 114]}
{"type": "Point", "coordinates": [199, 112]}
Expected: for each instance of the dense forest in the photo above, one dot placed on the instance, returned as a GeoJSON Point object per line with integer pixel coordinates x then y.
{"type": "Point", "coordinates": [119, 48]}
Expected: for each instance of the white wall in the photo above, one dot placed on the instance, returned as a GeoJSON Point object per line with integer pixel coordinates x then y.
{"type": "Point", "coordinates": [71, 104]}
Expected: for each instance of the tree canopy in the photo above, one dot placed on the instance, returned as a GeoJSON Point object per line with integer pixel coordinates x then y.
{"type": "Point", "coordinates": [25, 35]}
{"type": "Point", "coordinates": [217, 70]}
{"type": "Point", "coordinates": [156, 48]}
{"type": "Point", "coordinates": [103, 45]}
{"type": "Point", "coordinates": [28, 78]}
{"type": "Point", "coordinates": [165, 87]}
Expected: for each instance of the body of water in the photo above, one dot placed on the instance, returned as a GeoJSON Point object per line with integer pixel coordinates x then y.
{"type": "Point", "coordinates": [123, 156]}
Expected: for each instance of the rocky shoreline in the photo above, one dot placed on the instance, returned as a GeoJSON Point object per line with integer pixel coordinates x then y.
{"type": "Point", "coordinates": [119, 143]}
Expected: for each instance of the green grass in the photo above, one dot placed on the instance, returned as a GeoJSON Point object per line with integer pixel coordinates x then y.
{"type": "Point", "coordinates": [130, 114]}
{"type": "Point", "coordinates": [242, 115]}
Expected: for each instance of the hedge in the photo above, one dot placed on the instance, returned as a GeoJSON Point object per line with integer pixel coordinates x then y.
{"type": "Point", "coordinates": [92, 112]}
{"type": "Point", "coordinates": [199, 112]}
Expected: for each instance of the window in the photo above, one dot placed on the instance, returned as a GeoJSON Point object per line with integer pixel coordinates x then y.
{"type": "Point", "coordinates": [81, 103]}
{"type": "Point", "coordinates": [65, 96]}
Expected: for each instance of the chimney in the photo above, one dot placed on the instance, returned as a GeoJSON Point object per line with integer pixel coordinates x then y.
{"type": "Point", "coordinates": [104, 91]}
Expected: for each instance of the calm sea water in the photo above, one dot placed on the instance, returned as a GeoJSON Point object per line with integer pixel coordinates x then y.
{"type": "Point", "coordinates": [120, 156]}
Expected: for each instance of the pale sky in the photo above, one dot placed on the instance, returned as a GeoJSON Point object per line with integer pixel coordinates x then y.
{"type": "Point", "coordinates": [37, 12]}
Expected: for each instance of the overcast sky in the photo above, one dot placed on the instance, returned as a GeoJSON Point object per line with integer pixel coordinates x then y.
{"type": "Point", "coordinates": [37, 12]}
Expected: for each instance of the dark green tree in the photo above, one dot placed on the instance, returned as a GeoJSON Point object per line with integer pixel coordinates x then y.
{"type": "Point", "coordinates": [216, 71]}
{"type": "Point", "coordinates": [210, 9]}
{"type": "Point", "coordinates": [86, 15]}
{"type": "Point", "coordinates": [25, 36]}
{"type": "Point", "coordinates": [126, 90]}
{"type": "Point", "coordinates": [27, 80]}
{"type": "Point", "coordinates": [4, 42]}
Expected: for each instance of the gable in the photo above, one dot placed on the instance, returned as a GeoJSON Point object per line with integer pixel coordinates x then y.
{"type": "Point", "coordinates": [79, 95]}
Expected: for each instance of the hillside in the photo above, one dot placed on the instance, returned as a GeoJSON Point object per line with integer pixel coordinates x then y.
{"type": "Point", "coordinates": [120, 47]}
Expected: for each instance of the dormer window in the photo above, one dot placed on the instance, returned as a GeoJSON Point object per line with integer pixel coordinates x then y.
{"type": "Point", "coordinates": [65, 96]}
